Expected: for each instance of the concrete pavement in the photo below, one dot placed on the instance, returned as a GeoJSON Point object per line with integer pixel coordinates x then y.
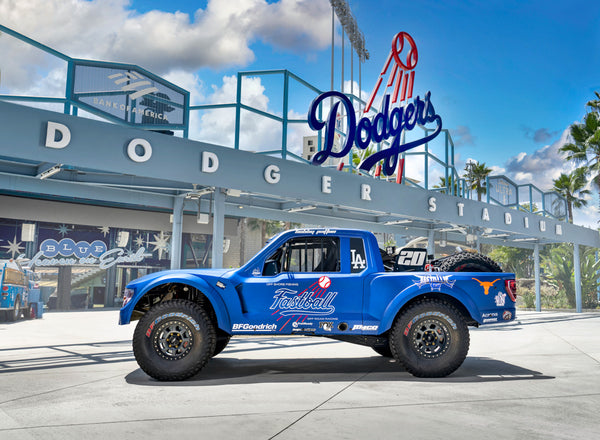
{"type": "Point", "coordinates": [73, 376]}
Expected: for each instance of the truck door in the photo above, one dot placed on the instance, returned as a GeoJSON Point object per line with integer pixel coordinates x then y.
{"type": "Point", "coordinates": [306, 287]}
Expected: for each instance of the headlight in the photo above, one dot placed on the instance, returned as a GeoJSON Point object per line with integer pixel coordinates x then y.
{"type": "Point", "coordinates": [127, 295]}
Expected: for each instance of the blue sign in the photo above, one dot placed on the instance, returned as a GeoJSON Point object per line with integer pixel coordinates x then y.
{"type": "Point", "coordinates": [128, 94]}
{"type": "Point", "coordinates": [385, 125]}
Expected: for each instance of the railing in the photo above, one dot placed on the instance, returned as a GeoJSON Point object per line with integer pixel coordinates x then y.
{"type": "Point", "coordinates": [499, 189]}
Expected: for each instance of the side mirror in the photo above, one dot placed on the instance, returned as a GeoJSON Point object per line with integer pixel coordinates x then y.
{"type": "Point", "coordinates": [271, 268]}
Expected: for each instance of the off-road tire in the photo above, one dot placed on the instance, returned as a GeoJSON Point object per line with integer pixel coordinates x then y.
{"type": "Point", "coordinates": [430, 339]}
{"type": "Point", "coordinates": [15, 314]}
{"type": "Point", "coordinates": [174, 340]}
{"type": "Point", "coordinates": [468, 262]}
{"type": "Point", "coordinates": [222, 341]}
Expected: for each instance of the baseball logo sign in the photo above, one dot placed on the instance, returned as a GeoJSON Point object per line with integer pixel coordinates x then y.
{"type": "Point", "coordinates": [324, 282]}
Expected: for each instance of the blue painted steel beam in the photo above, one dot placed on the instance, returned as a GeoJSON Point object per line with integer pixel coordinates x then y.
{"type": "Point", "coordinates": [34, 43]}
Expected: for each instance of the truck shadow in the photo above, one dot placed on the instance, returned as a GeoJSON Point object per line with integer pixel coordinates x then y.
{"type": "Point", "coordinates": [235, 371]}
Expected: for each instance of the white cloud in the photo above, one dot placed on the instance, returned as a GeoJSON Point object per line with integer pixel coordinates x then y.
{"type": "Point", "coordinates": [461, 135]}
{"type": "Point", "coordinates": [521, 177]}
{"type": "Point", "coordinates": [497, 171]}
{"type": "Point", "coordinates": [586, 216]}
{"type": "Point", "coordinates": [190, 82]}
{"type": "Point", "coordinates": [542, 166]}
{"type": "Point", "coordinates": [218, 36]}
{"type": "Point", "coordinates": [258, 133]}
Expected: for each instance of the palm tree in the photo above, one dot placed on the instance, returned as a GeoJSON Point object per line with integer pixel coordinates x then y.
{"type": "Point", "coordinates": [446, 186]}
{"type": "Point", "coordinates": [585, 149]}
{"type": "Point", "coordinates": [572, 187]}
{"type": "Point", "coordinates": [476, 174]}
{"type": "Point", "coordinates": [595, 103]}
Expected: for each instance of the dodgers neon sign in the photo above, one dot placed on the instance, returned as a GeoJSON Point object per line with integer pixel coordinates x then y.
{"type": "Point", "coordinates": [385, 125]}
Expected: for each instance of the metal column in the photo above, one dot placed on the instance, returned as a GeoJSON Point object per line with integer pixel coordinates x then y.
{"type": "Point", "coordinates": [218, 228]}
{"type": "Point", "coordinates": [536, 269]}
{"type": "Point", "coordinates": [431, 242]}
{"type": "Point", "coordinates": [577, 270]}
{"type": "Point", "coordinates": [177, 232]}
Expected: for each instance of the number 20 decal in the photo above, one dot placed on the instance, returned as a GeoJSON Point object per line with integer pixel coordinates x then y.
{"type": "Point", "coordinates": [412, 257]}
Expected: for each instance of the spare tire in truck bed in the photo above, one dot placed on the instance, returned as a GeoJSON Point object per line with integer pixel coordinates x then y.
{"type": "Point", "coordinates": [467, 262]}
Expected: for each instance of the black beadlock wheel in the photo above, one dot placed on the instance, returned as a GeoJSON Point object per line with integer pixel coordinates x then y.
{"type": "Point", "coordinates": [430, 339]}
{"type": "Point", "coordinates": [174, 340]}
{"type": "Point", "coordinates": [468, 262]}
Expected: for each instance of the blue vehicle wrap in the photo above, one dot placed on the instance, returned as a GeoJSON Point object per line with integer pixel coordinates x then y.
{"type": "Point", "coordinates": [320, 282]}
{"type": "Point", "coordinates": [367, 300]}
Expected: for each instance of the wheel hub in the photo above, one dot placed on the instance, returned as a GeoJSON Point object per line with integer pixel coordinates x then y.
{"type": "Point", "coordinates": [173, 340]}
{"type": "Point", "coordinates": [430, 338]}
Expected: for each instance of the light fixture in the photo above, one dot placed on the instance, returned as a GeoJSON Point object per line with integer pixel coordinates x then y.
{"type": "Point", "coordinates": [397, 222]}
{"type": "Point", "coordinates": [50, 171]}
{"type": "Point", "coordinates": [497, 235]}
{"type": "Point", "coordinates": [122, 238]}
{"type": "Point", "coordinates": [348, 22]}
{"type": "Point", "coordinates": [202, 218]}
{"type": "Point", "coordinates": [302, 208]}
{"type": "Point", "coordinates": [234, 192]}
{"type": "Point", "coordinates": [198, 194]}
{"type": "Point", "coordinates": [454, 229]}
{"type": "Point", "coordinates": [525, 239]}
{"type": "Point", "coordinates": [27, 231]}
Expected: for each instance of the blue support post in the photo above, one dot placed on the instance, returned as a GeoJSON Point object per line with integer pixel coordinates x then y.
{"type": "Point", "coordinates": [69, 87]}
{"type": "Point", "coordinates": [286, 83]}
{"type": "Point", "coordinates": [218, 228]}
{"type": "Point", "coordinates": [446, 160]}
{"type": "Point", "coordinates": [431, 242]}
{"type": "Point", "coordinates": [426, 167]}
{"type": "Point", "coordinates": [238, 102]}
{"type": "Point", "coordinates": [577, 271]}
{"type": "Point", "coordinates": [177, 232]}
{"type": "Point", "coordinates": [597, 280]}
{"type": "Point", "coordinates": [536, 269]}
{"type": "Point", "coordinates": [530, 198]}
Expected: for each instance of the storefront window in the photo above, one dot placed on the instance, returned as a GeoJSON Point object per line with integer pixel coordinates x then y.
{"type": "Point", "coordinates": [83, 266]}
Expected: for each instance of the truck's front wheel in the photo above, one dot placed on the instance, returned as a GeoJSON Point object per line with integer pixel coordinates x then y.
{"type": "Point", "coordinates": [430, 339]}
{"type": "Point", "coordinates": [174, 340]}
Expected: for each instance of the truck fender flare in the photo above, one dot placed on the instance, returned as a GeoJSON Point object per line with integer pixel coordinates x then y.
{"type": "Point", "coordinates": [223, 319]}
{"type": "Point", "coordinates": [412, 292]}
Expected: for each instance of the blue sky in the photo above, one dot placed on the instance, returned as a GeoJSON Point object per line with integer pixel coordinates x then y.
{"type": "Point", "coordinates": [507, 77]}
{"type": "Point", "coordinates": [514, 73]}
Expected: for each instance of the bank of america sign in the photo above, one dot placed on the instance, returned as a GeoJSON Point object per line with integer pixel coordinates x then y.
{"type": "Point", "coordinates": [128, 94]}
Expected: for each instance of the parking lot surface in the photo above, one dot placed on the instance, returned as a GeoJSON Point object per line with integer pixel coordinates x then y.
{"type": "Point", "coordinates": [72, 375]}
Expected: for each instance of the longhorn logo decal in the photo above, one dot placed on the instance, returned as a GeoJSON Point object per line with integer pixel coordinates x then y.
{"type": "Point", "coordinates": [486, 284]}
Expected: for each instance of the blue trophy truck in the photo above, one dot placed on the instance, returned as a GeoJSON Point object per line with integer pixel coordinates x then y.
{"type": "Point", "coordinates": [320, 282]}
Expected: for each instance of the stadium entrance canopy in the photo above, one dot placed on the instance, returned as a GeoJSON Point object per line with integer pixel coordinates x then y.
{"type": "Point", "coordinates": [126, 163]}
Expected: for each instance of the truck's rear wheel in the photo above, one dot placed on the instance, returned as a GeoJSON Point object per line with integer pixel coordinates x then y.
{"type": "Point", "coordinates": [174, 340]}
{"type": "Point", "coordinates": [15, 314]}
{"type": "Point", "coordinates": [430, 339]}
